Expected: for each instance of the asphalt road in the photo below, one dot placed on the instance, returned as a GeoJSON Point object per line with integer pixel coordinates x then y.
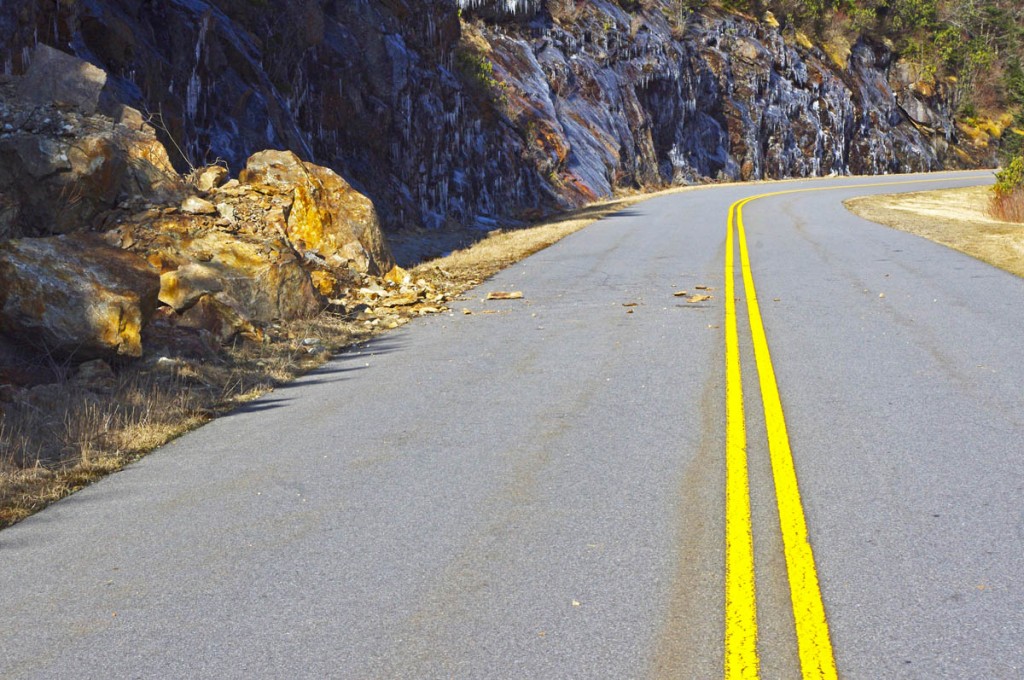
{"type": "Point", "coordinates": [539, 492]}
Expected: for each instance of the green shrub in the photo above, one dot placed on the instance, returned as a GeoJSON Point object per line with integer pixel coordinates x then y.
{"type": "Point", "coordinates": [1010, 178]}
{"type": "Point", "coordinates": [1008, 193]}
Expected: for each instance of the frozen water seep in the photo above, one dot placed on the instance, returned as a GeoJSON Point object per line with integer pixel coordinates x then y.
{"type": "Point", "coordinates": [194, 89]}
{"type": "Point", "coordinates": [513, 7]}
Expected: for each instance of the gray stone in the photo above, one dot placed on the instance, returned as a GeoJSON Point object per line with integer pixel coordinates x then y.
{"type": "Point", "coordinates": [95, 375]}
{"type": "Point", "coordinates": [54, 77]}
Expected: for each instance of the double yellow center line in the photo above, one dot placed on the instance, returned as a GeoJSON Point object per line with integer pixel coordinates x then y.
{"type": "Point", "coordinates": [817, 659]}
{"type": "Point", "coordinates": [815, 646]}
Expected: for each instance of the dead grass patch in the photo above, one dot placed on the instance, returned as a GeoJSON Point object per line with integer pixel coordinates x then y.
{"type": "Point", "coordinates": [58, 438]}
{"type": "Point", "coordinates": [957, 218]}
{"type": "Point", "coordinates": [1008, 206]}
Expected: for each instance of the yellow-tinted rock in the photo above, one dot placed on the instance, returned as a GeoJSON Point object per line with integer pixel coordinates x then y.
{"type": "Point", "coordinates": [211, 177]}
{"type": "Point", "coordinates": [327, 215]}
{"type": "Point", "coordinates": [268, 282]}
{"type": "Point", "coordinates": [218, 315]}
{"type": "Point", "coordinates": [182, 287]}
{"type": "Point", "coordinates": [324, 282]}
{"type": "Point", "coordinates": [76, 296]}
{"type": "Point", "coordinates": [397, 276]}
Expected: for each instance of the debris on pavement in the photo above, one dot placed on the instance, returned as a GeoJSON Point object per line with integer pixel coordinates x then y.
{"type": "Point", "coordinates": [505, 295]}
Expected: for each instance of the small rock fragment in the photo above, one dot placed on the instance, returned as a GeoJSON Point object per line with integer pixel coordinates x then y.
{"type": "Point", "coordinates": [183, 287]}
{"type": "Point", "coordinates": [211, 177]}
{"type": "Point", "coordinates": [226, 211]}
{"type": "Point", "coordinates": [167, 363]}
{"type": "Point", "coordinates": [401, 300]}
{"type": "Point", "coordinates": [505, 295]}
{"type": "Point", "coordinates": [397, 276]}
{"type": "Point", "coordinates": [193, 205]}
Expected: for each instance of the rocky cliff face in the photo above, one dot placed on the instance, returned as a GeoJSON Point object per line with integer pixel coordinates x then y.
{"type": "Point", "coordinates": [103, 244]}
{"type": "Point", "coordinates": [452, 112]}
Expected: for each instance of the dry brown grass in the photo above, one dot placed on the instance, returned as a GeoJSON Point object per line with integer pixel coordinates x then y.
{"type": "Point", "coordinates": [1008, 207]}
{"type": "Point", "coordinates": [69, 435]}
{"type": "Point", "coordinates": [61, 437]}
{"type": "Point", "coordinates": [957, 218]}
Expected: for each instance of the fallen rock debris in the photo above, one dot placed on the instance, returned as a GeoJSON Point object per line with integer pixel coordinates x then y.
{"type": "Point", "coordinates": [505, 295]}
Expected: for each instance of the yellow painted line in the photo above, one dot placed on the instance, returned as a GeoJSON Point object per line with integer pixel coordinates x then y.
{"type": "Point", "coordinates": [740, 603]}
{"type": "Point", "coordinates": [813, 642]}
{"type": "Point", "coordinates": [817, 659]}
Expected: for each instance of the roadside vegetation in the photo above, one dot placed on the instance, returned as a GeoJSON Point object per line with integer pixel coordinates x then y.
{"type": "Point", "coordinates": [93, 425]}
{"type": "Point", "coordinates": [86, 426]}
{"type": "Point", "coordinates": [1007, 202]}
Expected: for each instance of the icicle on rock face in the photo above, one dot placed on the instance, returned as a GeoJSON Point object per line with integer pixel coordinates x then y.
{"type": "Point", "coordinates": [502, 9]}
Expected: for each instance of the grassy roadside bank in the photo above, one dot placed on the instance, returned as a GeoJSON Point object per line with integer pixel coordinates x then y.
{"type": "Point", "coordinates": [94, 425]}
{"type": "Point", "coordinates": [956, 218]}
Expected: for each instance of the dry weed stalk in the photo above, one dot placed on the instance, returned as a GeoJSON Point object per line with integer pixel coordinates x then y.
{"type": "Point", "coordinates": [1009, 206]}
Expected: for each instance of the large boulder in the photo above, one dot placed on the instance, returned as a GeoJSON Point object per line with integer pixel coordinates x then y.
{"type": "Point", "coordinates": [70, 155]}
{"type": "Point", "coordinates": [254, 266]}
{"type": "Point", "coordinates": [54, 77]}
{"type": "Point", "coordinates": [265, 278]}
{"type": "Point", "coordinates": [327, 216]}
{"type": "Point", "coordinates": [75, 296]}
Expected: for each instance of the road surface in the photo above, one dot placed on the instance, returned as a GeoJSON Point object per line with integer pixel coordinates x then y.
{"type": "Point", "coordinates": [540, 492]}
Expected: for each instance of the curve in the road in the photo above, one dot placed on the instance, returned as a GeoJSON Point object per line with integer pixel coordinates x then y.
{"type": "Point", "coordinates": [539, 491]}
{"type": "Point", "coordinates": [817, 660]}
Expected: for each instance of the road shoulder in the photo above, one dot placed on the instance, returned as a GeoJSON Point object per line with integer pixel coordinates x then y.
{"type": "Point", "coordinates": [956, 218]}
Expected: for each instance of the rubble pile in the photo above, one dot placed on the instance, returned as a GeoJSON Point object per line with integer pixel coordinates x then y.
{"type": "Point", "coordinates": [108, 255]}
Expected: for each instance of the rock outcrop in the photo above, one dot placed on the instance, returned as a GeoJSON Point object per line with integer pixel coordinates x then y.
{"type": "Point", "coordinates": [401, 113]}
{"type": "Point", "coordinates": [327, 218]}
{"type": "Point", "coordinates": [514, 108]}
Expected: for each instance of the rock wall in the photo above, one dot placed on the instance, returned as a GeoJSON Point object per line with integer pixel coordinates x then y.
{"type": "Point", "coordinates": [450, 112]}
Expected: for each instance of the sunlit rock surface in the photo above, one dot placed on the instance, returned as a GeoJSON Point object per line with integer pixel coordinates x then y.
{"type": "Point", "coordinates": [326, 216]}
{"type": "Point", "coordinates": [75, 296]}
{"type": "Point", "coordinates": [65, 166]}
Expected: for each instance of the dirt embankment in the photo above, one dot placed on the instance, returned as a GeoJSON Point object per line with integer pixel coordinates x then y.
{"type": "Point", "coordinates": [957, 218]}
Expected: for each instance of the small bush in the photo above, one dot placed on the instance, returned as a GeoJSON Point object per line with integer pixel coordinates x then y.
{"type": "Point", "coordinates": [1008, 193]}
